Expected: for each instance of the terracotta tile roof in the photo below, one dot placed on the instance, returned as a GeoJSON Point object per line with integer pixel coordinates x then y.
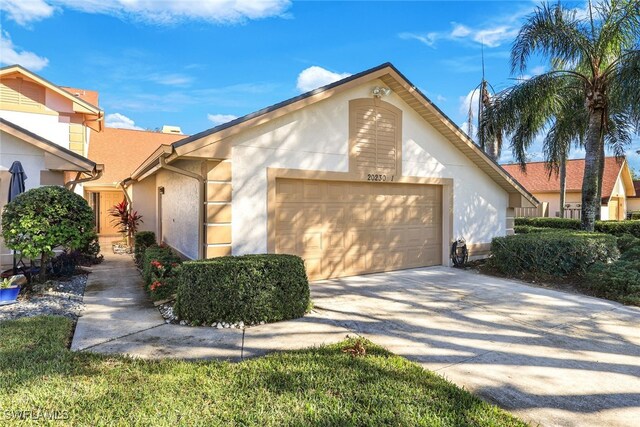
{"type": "Point", "coordinates": [536, 178]}
{"type": "Point", "coordinates": [90, 96]}
{"type": "Point", "coordinates": [123, 150]}
{"type": "Point", "coordinates": [636, 185]}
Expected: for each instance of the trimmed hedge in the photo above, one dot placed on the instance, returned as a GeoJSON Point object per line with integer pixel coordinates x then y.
{"type": "Point", "coordinates": [527, 229]}
{"type": "Point", "coordinates": [248, 288]}
{"type": "Point", "coordinates": [558, 253]}
{"type": "Point", "coordinates": [616, 228]}
{"type": "Point", "coordinates": [142, 240]}
{"type": "Point", "coordinates": [160, 268]}
{"type": "Point", "coordinates": [620, 280]}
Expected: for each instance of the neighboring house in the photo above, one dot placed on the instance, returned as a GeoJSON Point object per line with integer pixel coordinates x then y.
{"type": "Point", "coordinates": [121, 151]}
{"type": "Point", "coordinates": [359, 176]}
{"type": "Point", "coordinates": [46, 128]}
{"type": "Point", "coordinates": [617, 187]}
{"type": "Point", "coordinates": [633, 202]}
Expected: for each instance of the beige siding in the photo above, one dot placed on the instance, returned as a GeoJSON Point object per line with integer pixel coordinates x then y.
{"type": "Point", "coordinates": [218, 209]}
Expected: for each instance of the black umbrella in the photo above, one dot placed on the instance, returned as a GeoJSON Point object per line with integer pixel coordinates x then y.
{"type": "Point", "coordinates": [18, 177]}
{"type": "Point", "coordinates": [16, 186]}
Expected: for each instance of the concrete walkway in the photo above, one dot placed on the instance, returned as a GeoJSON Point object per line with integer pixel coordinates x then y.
{"type": "Point", "coordinates": [120, 318]}
{"type": "Point", "coordinates": [550, 357]}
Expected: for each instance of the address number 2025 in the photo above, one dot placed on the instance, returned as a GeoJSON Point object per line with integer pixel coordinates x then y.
{"type": "Point", "coordinates": [379, 177]}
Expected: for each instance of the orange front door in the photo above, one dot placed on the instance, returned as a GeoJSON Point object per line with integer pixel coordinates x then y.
{"type": "Point", "coordinates": [107, 200]}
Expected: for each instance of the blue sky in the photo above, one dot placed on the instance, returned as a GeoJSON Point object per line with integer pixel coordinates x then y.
{"type": "Point", "coordinates": [195, 64]}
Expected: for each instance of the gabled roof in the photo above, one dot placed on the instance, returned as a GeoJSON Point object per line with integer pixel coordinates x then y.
{"type": "Point", "coordinates": [79, 105]}
{"type": "Point", "coordinates": [636, 186]}
{"type": "Point", "coordinates": [391, 77]}
{"type": "Point", "coordinates": [122, 150]}
{"type": "Point", "coordinates": [536, 178]}
{"type": "Point", "coordinates": [90, 96]}
{"type": "Point", "coordinates": [79, 162]}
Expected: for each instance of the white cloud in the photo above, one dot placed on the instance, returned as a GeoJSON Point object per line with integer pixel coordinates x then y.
{"type": "Point", "coordinates": [218, 119]}
{"type": "Point", "coordinates": [428, 38]}
{"type": "Point", "coordinates": [173, 79]}
{"type": "Point", "coordinates": [23, 12]}
{"type": "Point", "coordinates": [154, 11]}
{"type": "Point", "coordinates": [536, 71]}
{"type": "Point", "coordinates": [492, 36]}
{"type": "Point", "coordinates": [120, 121]}
{"type": "Point", "coordinates": [315, 77]}
{"type": "Point", "coordinates": [469, 99]}
{"type": "Point", "coordinates": [440, 98]}
{"type": "Point", "coordinates": [10, 55]}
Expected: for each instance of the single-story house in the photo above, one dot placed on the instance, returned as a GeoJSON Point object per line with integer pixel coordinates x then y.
{"type": "Point", "coordinates": [617, 187]}
{"type": "Point", "coordinates": [363, 175]}
{"type": "Point", "coordinates": [633, 202]}
{"type": "Point", "coordinates": [121, 151]}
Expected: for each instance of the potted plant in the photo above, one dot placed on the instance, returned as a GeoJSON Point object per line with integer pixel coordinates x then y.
{"type": "Point", "coordinates": [10, 288]}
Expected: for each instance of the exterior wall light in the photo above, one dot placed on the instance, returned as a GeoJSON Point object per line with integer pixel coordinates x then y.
{"type": "Point", "coordinates": [379, 92]}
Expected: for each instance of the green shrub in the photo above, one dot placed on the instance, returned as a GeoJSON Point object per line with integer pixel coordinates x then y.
{"type": "Point", "coordinates": [619, 281]}
{"type": "Point", "coordinates": [89, 254]}
{"type": "Point", "coordinates": [563, 223]}
{"type": "Point", "coordinates": [616, 228]}
{"type": "Point", "coordinates": [159, 271]}
{"type": "Point", "coordinates": [527, 229]}
{"type": "Point", "coordinates": [249, 288]}
{"type": "Point", "coordinates": [560, 253]}
{"type": "Point", "coordinates": [44, 218]}
{"type": "Point", "coordinates": [142, 240]}
{"type": "Point", "coordinates": [634, 215]}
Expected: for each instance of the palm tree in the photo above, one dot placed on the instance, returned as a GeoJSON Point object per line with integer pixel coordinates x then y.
{"type": "Point", "coordinates": [592, 87]}
{"type": "Point", "coordinates": [490, 140]}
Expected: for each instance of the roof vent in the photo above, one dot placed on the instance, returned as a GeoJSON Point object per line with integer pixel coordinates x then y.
{"type": "Point", "coordinates": [172, 129]}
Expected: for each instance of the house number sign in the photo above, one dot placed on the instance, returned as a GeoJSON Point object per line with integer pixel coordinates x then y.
{"type": "Point", "coordinates": [376, 177]}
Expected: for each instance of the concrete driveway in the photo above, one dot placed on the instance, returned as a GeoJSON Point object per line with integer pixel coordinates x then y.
{"type": "Point", "coordinates": [550, 357]}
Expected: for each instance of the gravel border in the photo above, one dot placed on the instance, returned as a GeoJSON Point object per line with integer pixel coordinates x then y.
{"type": "Point", "coordinates": [166, 311]}
{"type": "Point", "coordinates": [62, 297]}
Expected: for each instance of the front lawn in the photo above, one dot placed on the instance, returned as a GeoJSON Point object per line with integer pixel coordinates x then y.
{"type": "Point", "coordinates": [322, 386]}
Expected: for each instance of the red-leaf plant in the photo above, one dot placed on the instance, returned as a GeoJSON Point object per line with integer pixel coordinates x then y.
{"type": "Point", "coordinates": [126, 220]}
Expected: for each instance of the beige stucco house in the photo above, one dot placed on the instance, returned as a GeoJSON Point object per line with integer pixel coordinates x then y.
{"type": "Point", "coordinates": [363, 175]}
{"type": "Point", "coordinates": [617, 189]}
{"type": "Point", "coordinates": [633, 202]}
{"type": "Point", "coordinates": [46, 128]}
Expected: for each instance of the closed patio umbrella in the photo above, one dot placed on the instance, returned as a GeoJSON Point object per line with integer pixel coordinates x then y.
{"type": "Point", "coordinates": [16, 186]}
{"type": "Point", "coordinates": [18, 177]}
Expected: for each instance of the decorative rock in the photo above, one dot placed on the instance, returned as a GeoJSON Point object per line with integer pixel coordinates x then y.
{"type": "Point", "coordinates": [241, 325]}
{"type": "Point", "coordinates": [219, 326]}
{"type": "Point", "coordinates": [183, 322]}
{"type": "Point", "coordinates": [55, 298]}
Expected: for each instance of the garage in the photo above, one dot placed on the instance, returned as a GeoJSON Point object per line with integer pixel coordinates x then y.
{"type": "Point", "coordinates": [347, 228]}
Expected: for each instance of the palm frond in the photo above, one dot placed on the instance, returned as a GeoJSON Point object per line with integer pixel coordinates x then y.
{"type": "Point", "coordinates": [552, 31]}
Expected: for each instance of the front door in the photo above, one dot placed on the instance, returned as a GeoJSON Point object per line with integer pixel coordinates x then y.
{"type": "Point", "coordinates": [107, 200]}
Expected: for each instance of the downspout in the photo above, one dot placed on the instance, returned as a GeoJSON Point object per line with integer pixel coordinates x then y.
{"type": "Point", "coordinates": [122, 185]}
{"type": "Point", "coordinates": [201, 190]}
{"type": "Point", "coordinates": [95, 174]}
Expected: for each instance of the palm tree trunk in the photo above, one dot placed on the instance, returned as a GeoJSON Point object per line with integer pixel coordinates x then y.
{"type": "Point", "coordinates": [600, 176]}
{"type": "Point", "coordinates": [563, 185]}
{"type": "Point", "coordinates": [592, 160]}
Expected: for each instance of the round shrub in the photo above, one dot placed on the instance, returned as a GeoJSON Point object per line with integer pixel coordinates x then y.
{"type": "Point", "coordinates": [160, 267]}
{"type": "Point", "coordinates": [142, 240]}
{"type": "Point", "coordinates": [42, 219]}
{"type": "Point", "coordinates": [557, 253]}
{"type": "Point", "coordinates": [249, 289]}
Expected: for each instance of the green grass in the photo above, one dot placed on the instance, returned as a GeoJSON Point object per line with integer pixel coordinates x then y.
{"type": "Point", "coordinates": [321, 386]}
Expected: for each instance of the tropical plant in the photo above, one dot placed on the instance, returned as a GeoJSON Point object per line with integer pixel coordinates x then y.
{"type": "Point", "coordinates": [125, 219]}
{"type": "Point", "coordinates": [591, 90]}
{"type": "Point", "coordinates": [44, 218]}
